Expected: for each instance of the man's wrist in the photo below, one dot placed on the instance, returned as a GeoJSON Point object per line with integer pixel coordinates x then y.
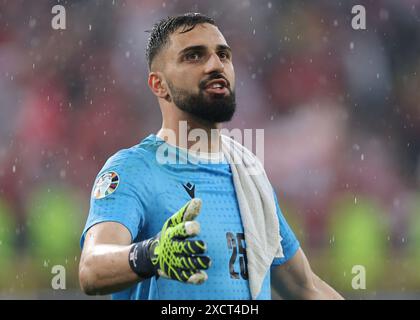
{"type": "Point", "coordinates": [140, 260]}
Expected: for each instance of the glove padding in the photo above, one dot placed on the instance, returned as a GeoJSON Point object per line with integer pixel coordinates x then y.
{"type": "Point", "coordinates": [173, 255]}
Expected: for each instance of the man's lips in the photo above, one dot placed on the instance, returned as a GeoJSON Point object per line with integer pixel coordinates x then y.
{"type": "Point", "coordinates": [217, 86]}
{"type": "Point", "coordinates": [220, 81]}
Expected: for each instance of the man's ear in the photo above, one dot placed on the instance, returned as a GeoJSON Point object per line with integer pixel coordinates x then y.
{"type": "Point", "coordinates": [158, 85]}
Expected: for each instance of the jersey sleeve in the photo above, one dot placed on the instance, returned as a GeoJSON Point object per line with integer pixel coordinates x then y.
{"type": "Point", "coordinates": [289, 242]}
{"type": "Point", "coordinates": [119, 194]}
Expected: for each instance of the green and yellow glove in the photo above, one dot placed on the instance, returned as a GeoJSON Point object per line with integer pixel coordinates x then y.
{"type": "Point", "coordinates": [171, 254]}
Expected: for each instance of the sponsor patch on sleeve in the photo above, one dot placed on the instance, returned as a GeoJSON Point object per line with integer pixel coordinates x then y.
{"type": "Point", "coordinates": [106, 184]}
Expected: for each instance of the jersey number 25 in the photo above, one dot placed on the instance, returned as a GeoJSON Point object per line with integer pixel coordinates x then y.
{"type": "Point", "coordinates": [237, 244]}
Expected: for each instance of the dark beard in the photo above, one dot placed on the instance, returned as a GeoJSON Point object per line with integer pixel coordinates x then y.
{"type": "Point", "coordinates": [210, 108]}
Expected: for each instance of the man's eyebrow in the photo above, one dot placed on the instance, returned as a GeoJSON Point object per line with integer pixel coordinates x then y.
{"type": "Point", "coordinates": [224, 47]}
{"type": "Point", "coordinates": [204, 48]}
{"type": "Point", "coordinates": [192, 48]}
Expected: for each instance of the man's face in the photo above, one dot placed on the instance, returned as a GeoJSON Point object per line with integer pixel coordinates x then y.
{"type": "Point", "coordinates": [197, 66]}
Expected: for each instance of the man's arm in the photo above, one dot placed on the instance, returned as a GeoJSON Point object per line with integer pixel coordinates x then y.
{"type": "Point", "coordinates": [109, 262]}
{"type": "Point", "coordinates": [104, 266]}
{"type": "Point", "coordinates": [297, 280]}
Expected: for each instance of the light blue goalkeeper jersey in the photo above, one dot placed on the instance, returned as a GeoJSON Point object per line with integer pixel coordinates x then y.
{"type": "Point", "coordinates": [135, 189]}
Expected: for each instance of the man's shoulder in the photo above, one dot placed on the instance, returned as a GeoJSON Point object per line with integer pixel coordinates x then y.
{"type": "Point", "coordinates": [139, 155]}
{"type": "Point", "coordinates": [134, 153]}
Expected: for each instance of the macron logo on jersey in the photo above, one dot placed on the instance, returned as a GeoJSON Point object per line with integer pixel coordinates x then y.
{"type": "Point", "coordinates": [190, 188]}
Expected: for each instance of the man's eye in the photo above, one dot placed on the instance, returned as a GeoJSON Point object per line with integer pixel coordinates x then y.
{"type": "Point", "coordinates": [224, 55]}
{"type": "Point", "coordinates": [194, 56]}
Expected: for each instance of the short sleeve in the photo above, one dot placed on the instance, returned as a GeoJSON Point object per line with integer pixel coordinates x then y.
{"type": "Point", "coordinates": [289, 242]}
{"type": "Point", "coordinates": [117, 194]}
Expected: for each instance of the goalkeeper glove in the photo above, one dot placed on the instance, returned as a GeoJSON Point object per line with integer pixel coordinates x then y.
{"type": "Point", "coordinates": [170, 254]}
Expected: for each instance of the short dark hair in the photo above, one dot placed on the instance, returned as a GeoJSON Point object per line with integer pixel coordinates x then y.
{"type": "Point", "coordinates": [161, 31]}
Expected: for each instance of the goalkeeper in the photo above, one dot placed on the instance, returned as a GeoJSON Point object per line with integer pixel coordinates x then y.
{"type": "Point", "coordinates": [174, 230]}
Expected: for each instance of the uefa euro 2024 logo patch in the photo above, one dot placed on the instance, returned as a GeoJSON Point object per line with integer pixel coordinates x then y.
{"type": "Point", "coordinates": [106, 184]}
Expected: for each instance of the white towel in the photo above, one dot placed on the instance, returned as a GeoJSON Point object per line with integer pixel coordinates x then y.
{"type": "Point", "coordinates": [258, 211]}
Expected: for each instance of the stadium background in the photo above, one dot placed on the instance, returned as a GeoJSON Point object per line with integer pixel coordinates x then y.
{"type": "Point", "coordinates": [340, 109]}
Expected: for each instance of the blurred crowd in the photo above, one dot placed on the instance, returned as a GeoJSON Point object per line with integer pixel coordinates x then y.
{"type": "Point", "coordinates": [340, 109]}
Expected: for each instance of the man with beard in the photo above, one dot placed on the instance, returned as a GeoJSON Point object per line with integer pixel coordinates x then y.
{"type": "Point", "coordinates": [173, 230]}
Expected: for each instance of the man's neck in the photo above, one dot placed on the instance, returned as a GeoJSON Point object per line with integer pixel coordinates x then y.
{"type": "Point", "coordinates": [192, 135]}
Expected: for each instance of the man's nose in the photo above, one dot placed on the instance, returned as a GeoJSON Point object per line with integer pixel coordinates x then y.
{"type": "Point", "coordinates": [214, 64]}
